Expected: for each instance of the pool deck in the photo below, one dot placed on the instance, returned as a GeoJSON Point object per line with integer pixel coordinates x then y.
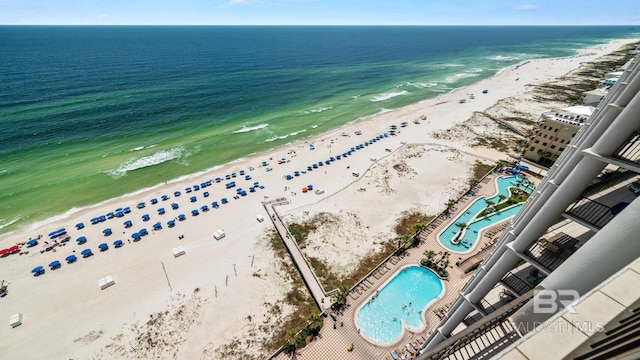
{"type": "Point", "coordinates": [332, 343]}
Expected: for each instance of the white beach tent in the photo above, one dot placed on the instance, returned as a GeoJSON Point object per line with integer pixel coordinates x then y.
{"type": "Point", "coordinates": [179, 251]}
{"type": "Point", "coordinates": [259, 218]}
{"type": "Point", "coordinates": [105, 282]}
{"type": "Point", "coordinates": [219, 234]}
{"type": "Point", "coordinates": [15, 320]}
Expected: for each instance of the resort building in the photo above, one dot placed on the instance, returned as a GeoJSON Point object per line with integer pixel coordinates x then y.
{"type": "Point", "coordinates": [593, 97]}
{"type": "Point", "coordinates": [555, 131]}
{"type": "Point", "coordinates": [563, 280]}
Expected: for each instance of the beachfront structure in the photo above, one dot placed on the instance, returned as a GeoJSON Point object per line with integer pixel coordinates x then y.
{"type": "Point", "coordinates": [576, 237]}
{"type": "Point", "coordinates": [593, 97]}
{"type": "Point", "coordinates": [555, 131]}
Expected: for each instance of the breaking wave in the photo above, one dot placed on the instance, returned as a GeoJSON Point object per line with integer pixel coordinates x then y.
{"type": "Point", "coordinates": [387, 96]}
{"type": "Point", "coordinates": [146, 161]}
{"type": "Point", "coordinates": [245, 129]}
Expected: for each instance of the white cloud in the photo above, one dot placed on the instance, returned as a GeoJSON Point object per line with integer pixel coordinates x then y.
{"type": "Point", "coordinates": [527, 7]}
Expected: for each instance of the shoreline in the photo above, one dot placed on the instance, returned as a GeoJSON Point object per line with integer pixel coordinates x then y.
{"type": "Point", "coordinates": [222, 286]}
{"type": "Point", "coordinates": [40, 221]}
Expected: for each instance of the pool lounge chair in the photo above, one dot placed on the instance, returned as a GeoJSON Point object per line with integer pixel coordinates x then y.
{"type": "Point", "coordinates": [395, 355]}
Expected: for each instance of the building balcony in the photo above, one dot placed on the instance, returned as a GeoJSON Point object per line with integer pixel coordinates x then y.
{"type": "Point", "coordinates": [629, 152]}
{"type": "Point", "coordinates": [550, 254]}
{"type": "Point", "coordinates": [590, 212]}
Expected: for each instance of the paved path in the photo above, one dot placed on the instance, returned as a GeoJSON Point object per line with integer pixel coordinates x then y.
{"type": "Point", "coordinates": [309, 277]}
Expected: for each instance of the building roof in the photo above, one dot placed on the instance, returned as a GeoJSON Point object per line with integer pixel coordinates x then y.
{"type": "Point", "coordinates": [581, 110]}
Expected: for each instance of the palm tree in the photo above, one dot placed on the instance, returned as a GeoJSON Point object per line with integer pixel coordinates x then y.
{"type": "Point", "coordinates": [472, 183]}
{"type": "Point", "coordinates": [490, 203]}
{"type": "Point", "coordinates": [340, 296]}
{"type": "Point", "coordinates": [315, 323]}
{"type": "Point", "coordinates": [501, 197]}
{"type": "Point", "coordinates": [419, 227]}
{"type": "Point", "coordinates": [430, 254]}
{"type": "Point", "coordinates": [462, 226]}
{"type": "Point", "coordinates": [289, 346]}
{"type": "Point", "coordinates": [449, 205]}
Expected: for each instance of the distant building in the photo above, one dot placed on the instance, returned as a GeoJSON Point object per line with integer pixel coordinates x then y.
{"type": "Point", "coordinates": [555, 131]}
{"type": "Point", "coordinates": [593, 97]}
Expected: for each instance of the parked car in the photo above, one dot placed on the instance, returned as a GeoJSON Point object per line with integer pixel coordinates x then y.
{"type": "Point", "coordinates": [635, 187]}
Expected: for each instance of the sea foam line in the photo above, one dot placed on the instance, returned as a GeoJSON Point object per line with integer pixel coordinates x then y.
{"type": "Point", "coordinates": [245, 129]}
{"type": "Point", "coordinates": [387, 96]}
{"type": "Point", "coordinates": [146, 161]}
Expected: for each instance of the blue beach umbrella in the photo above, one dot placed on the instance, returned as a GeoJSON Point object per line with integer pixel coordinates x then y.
{"type": "Point", "coordinates": [171, 223]}
{"type": "Point", "coordinates": [81, 240]}
{"type": "Point", "coordinates": [103, 247]}
{"type": "Point", "coordinates": [79, 226]}
{"type": "Point", "coordinates": [54, 264]}
{"type": "Point", "coordinates": [118, 243]}
{"type": "Point", "coordinates": [70, 259]}
{"type": "Point", "coordinates": [38, 270]}
{"type": "Point", "coordinates": [106, 231]}
{"type": "Point", "coordinates": [135, 236]}
{"type": "Point", "coordinates": [86, 253]}
{"type": "Point", "coordinates": [32, 242]}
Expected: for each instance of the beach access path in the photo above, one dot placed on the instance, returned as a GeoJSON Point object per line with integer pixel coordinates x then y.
{"type": "Point", "coordinates": [301, 263]}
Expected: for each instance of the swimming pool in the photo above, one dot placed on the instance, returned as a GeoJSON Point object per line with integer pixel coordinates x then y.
{"type": "Point", "coordinates": [474, 227]}
{"type": "Point", "coordinates": [398, 304]}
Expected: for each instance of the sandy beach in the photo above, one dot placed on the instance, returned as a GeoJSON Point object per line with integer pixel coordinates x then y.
{"type": "Point", "coordinates": [220, 292]}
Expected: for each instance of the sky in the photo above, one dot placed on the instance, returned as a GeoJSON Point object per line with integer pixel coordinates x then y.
{"type": "Point", "coordinates": [319, 12]}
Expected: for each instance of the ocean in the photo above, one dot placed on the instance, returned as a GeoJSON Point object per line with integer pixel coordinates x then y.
{"type": "Point", "coordinates": [91, 113]}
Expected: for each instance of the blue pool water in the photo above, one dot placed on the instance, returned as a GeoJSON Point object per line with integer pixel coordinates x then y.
{"type": "Point", "coordinates": [475, 226]}
{"type": "Point", "coordinates": [400, 301]}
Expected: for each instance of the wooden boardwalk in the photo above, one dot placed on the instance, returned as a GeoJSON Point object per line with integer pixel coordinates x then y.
{"type": "Point", "coordinates": [300, 261]}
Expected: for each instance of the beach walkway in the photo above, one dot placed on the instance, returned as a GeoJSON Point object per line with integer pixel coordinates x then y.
{"type": "Point", "coordinates": [313, 284]}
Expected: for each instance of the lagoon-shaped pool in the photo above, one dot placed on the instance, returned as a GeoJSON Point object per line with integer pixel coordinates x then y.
{"type": "Point", "coordinates": [399, 303]}
{"type": "Point", "coordinates": [474, 227]}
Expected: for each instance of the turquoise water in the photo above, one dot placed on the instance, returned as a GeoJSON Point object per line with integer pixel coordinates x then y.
{"type": "Point", "coordinates": [401, 301]}
{"type": "Point", "coordinates": [90, 113]}
{"type": "Point", "coordinates": [474, 227]}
